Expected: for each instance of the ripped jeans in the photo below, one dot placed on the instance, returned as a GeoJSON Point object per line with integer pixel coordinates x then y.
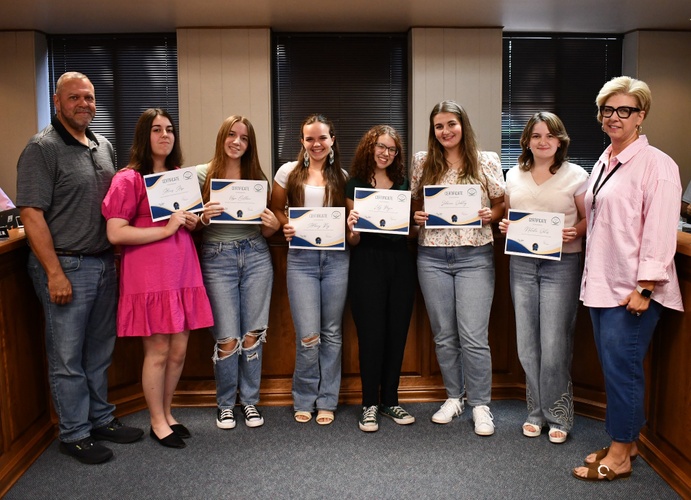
{"type": "Point", "coordinates": [238, 276]}
{"type": "Point", "coordinates": [317, 290]}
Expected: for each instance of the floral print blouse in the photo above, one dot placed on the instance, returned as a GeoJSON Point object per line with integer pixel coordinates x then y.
{"type": "Point", "coordinates": [492, 185]}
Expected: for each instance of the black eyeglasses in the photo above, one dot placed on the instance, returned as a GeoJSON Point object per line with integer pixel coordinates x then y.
{"type": "Point", "coordinates": [381, 147]}
{"type": "Point", "coordinates": [622, 111]}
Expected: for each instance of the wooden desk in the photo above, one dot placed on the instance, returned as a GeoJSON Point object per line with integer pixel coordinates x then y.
{"type": "Point", "coordinates": [27, 426]}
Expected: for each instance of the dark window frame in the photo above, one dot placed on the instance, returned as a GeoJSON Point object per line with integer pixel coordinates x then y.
{"type": "Point", "coordinates": [130, 73]}
{"type": "Point", "coordinates": [561, 73]}
{"type": "Point", "coordinates": [363, 81]}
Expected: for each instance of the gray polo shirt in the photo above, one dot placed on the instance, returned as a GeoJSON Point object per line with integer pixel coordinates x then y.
{"type": "Point", "coordinates": [68, 181]}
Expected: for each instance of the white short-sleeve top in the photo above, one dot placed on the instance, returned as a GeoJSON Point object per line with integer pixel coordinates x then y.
{"type": "Point", "coordinates": [556, 194]}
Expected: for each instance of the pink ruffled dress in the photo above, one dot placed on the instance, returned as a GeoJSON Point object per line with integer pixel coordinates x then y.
{"type": "Point", "coordinates": [161, 287]}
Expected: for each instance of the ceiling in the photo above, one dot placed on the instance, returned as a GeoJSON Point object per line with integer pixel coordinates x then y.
{"type": "Point", "coordinates": [129, 16]}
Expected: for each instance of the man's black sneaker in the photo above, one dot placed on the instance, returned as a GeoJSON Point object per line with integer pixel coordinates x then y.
{"type": "Point", "coordinates": [87, 451]}
{"type": "Point", "coordinates": [116, 432]}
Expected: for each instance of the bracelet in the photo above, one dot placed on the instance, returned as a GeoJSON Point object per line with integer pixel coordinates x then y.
{"type": "Point", "coordinates": [201, 219]}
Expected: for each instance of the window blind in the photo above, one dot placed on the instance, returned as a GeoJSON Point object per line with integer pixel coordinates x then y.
{"type": "Point", "coordinates": [561, 74]}
{"type": "Point", "coordinates": [357, 81]}
{"type": "Point", "coordinates": [130, 73]}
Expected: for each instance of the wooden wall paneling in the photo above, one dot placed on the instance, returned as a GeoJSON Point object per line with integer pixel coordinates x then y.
{"type": "Point", "coordinates": [464, 65]}
{"type": "Point", "coordinates": [189, 95]}
{"type": "Point", "coordinates": [211, 89]}
{"type": "Point", "coordinates": [17, 100]}
{"type": "Point", "coordinates": [666, 440]}
{"type": "Point", "coordinates": [27, 425]}
{"type": "Point", "coordinates": [259, 50]}
{"type": "Point", "coordinates": [222, 72]}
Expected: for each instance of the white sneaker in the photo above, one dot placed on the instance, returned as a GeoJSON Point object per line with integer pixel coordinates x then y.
{"type": "Point", "coordinates": [452, 407]}
{"type": "Point", "coordinates": [483, 421]}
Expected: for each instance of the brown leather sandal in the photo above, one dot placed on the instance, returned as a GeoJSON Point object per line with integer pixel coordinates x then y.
{"type": "Point", "coordinates": [600, 454]}
{"type": "Point", "coordinates": [598, 471]}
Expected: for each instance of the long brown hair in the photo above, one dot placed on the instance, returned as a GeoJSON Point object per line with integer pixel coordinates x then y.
{"type": "Point", "coordinates": [556, 128]}
{"type": "Point", "coordinates": [250, 169]}
{"type": "Point", "coordinates": [141, 157]}
{"type": "Point", "coordinates": [334, 194]}
{"type": "Point", "coordinates": [363, 166]}
{"type": "Point", "coordinates": [435, 165]}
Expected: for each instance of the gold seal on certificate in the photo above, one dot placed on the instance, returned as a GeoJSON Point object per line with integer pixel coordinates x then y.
{"type": "Point", "coordinates": [320, 228]}
{"type": "Point", "coordinates": [243, 201]}
{"type": "Point", "coordinates": [535, 234]}
{"type": "Point", "coordinates": [382, 210]}
{"type": "Point", "coordinates": [171, 191]}
{"type": "Point", "coordinates": [453, 207]}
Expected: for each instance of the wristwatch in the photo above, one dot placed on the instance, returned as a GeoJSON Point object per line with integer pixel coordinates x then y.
{"type": "Point", "coordinates": [644, 291]}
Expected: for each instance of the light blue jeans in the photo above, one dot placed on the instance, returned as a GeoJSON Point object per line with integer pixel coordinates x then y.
{"type": "Point", "coordinates": [238, 276]}
{"type": "Point", "coordinates": [317, 290]}
{"type": "Point", "coordinates": [458, 286]}
{"type": "Point", "coordinates": [545, 299]}
{"type": "Point", "coordinates": [80, 337]}
{"type": "Point", "coordinates": [622, 341]}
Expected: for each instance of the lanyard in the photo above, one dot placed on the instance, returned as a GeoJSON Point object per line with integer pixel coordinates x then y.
{"type": "Point", "coordinates": [598, 187]}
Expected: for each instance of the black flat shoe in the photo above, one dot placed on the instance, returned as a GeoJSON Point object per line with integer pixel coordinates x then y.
{"type": "Point", "coordinates": [172, 440]}
{"type": "Point", "coordinates": [181, 431]}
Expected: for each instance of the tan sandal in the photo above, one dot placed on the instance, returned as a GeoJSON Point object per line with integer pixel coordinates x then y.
{"type": "Point", "coordinates": [325, 417]}
{"type": "Point", "coordinates": [303, 416]}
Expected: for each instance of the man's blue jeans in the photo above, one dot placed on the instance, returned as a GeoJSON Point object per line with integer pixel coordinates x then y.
{"type": "Point", "coordinates": [80, 337]}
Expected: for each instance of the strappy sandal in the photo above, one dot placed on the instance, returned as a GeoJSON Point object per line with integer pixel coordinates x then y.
{"type": "Point", "coordinates": [556, 439]}
{"type": "Point", "coordinates": [598, 471]}
{"type": "Point", "coordinates": [325, 417]}
{"type": "Point", "coordinates": [303, 416]}
{"type": "Point", "coordinates": [600, 454]}
{"type": "Point", "coordinates": [527, 432]}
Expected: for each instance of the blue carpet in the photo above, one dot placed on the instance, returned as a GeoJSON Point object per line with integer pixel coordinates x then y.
{"type": "Point", "coordinates": [285, 459]}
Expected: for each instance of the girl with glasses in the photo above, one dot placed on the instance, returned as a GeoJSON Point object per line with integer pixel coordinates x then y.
{"type": "Point", "coordinates": [382, 281]}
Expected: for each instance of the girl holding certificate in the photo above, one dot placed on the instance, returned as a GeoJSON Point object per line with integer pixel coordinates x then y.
{"type": "Point", "coordinates": [545, 292]}
{"type": "Point", "coordinates": [317, 279]}
{"type": "Point", "coordinates": [162, 295]}
{"type": "Point", "coordinates": [456, 266]}
{"type": "Point", "coordinates": [238, 275]}
{"type": "Point", "coordinates": [629, 277]}
{"type": "Point", "coordinates": [382, 281]}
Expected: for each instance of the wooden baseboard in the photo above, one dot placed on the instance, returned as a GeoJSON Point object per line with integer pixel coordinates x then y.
{"type": "Point", "coordinates": [666, 465]}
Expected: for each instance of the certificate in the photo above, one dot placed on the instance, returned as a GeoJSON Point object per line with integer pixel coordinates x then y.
{"type": "Point", "coordinates": [382, 210]}
{"type": "Point", "coordinates": [243, 201]}
{"type": "Point", "coordinates": [320, 228]}
{"type": "Point", "coordinates": [453, 207]}
{"type": "Point", "coordinates": [173, 190]}
{"type": "Point", "coordinates": [535, 234]}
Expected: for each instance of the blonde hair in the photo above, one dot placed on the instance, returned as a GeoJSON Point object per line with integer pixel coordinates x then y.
{"type": "Point", "coordinates": [625, 85]}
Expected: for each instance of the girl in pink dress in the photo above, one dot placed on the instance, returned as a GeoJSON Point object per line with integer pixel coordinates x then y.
{"type": "Point", "coordinates": [162, 295]}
